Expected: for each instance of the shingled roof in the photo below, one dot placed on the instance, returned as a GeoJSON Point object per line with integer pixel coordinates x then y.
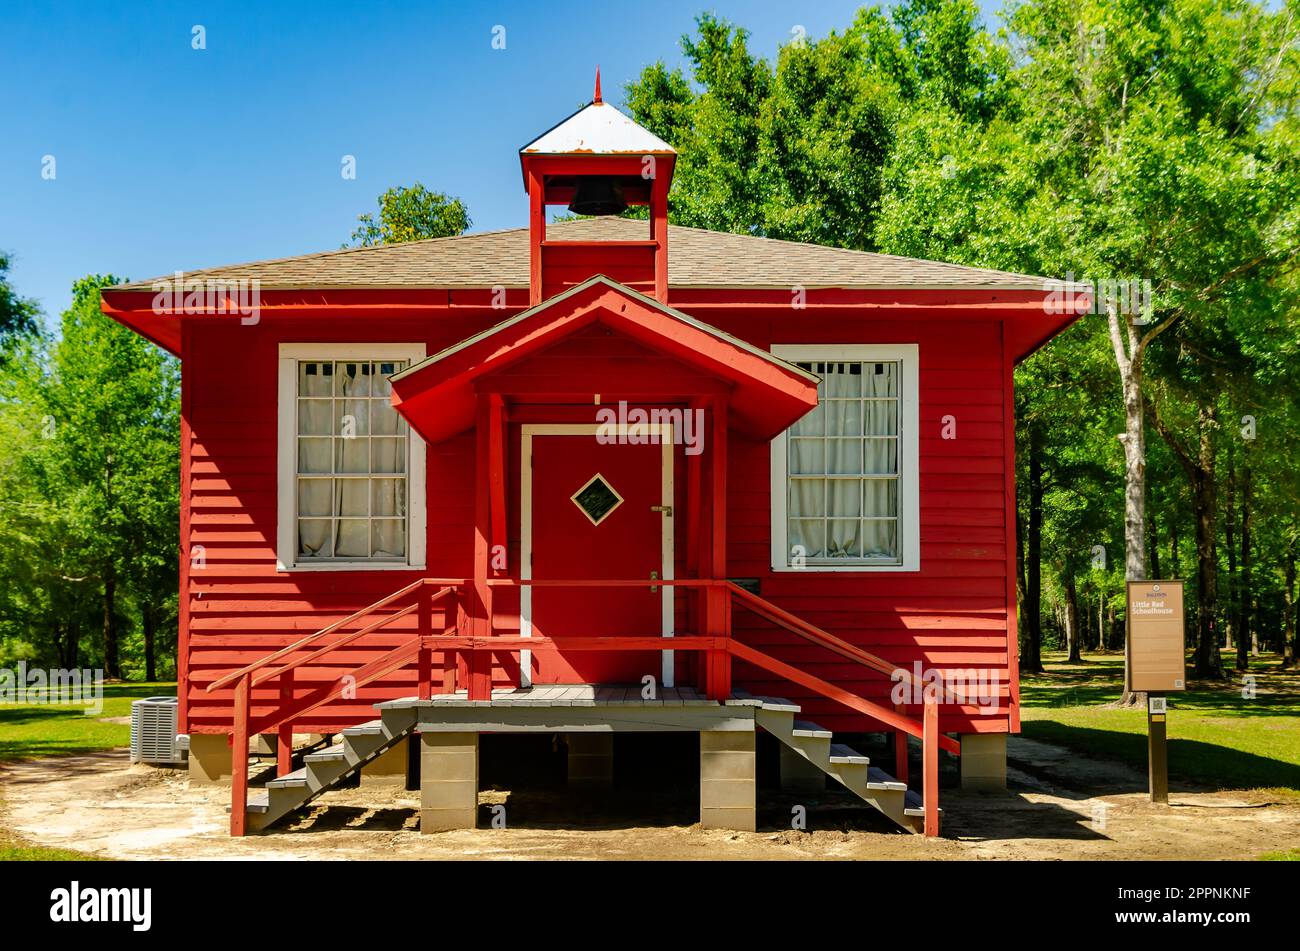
{"type": "Point", "coordinates": [696, 259]}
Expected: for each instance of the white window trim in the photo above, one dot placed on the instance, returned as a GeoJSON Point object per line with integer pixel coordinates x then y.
{"type": "Point", "coordinates": [909, 489]}
{"type": "Point", "coordinates": [287, 457]}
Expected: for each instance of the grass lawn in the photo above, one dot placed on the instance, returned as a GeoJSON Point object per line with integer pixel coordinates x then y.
{"type": "Point", "coordinates": [29, 732]}
{"type": "Point", "coordinates": [1217, 737]}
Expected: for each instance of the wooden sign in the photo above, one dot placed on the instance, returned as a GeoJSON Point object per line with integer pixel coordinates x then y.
{"type": "Point", "coordinates": [1155, 636]}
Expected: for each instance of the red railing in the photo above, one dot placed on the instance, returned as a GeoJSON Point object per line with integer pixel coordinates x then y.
{"type": "Point", "coordinates": [718, 646]}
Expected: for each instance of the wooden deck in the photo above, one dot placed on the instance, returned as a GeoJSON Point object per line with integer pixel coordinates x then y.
{"type": "Point", "coordinates": [579, 708]}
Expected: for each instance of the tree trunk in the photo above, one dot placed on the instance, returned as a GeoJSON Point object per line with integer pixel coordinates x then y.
{"type": "Point", "coordinates": [1290, 646]}
{"type": "Point", "coordinates": [149, 625]}
{"type": "Point", "coordinates": [1100, 642]}
{"type": "Point", "coordinates": [1245, 632]}
{"type": "Point", "coordinates": [1072, 632]}
{"type": "Point", "coordinates": [1233, 627]}
{"type": "Point", "coordinates": [1208, 662]}
{"type": "Point", "coordinates": [1128, 350]}
{"type": "Point", "coordinates": [1032, 616]}
{"type": "Point", "coordinates": [1175, 566]}
{"type": "Point", "coordinates": [112, 667]}
{"type": "Point", "coordinates": [1153, 538]}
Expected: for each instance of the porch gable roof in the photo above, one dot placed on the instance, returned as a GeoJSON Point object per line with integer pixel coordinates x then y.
{"type": "Point", "coordinates": [437, 396]}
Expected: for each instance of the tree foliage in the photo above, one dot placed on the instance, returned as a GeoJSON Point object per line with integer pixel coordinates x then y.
{"type": "Point", "coordinates": [1111, 141]}
{"type": "Point", "coordinates": [89, 484]}
{"type": "Point", "coordinates": [411, 213]}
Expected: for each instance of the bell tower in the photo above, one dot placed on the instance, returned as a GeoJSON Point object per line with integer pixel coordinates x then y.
{"type": "Point", "coordinates": [598, 162]}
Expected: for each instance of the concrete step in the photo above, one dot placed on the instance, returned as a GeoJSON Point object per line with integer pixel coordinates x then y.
{"type": "Point", "coordinates": [843, 755]}
{"type": "Point", "coordinates": [331, 754]}
{"type": "Point", "coordinates": [295, 780]}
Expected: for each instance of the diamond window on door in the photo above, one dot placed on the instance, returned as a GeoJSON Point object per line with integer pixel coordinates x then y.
{"type": "Point", "coordinates": [597, 499]}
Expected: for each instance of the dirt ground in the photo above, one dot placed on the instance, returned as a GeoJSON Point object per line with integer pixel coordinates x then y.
{"type": "Point", "coordinates": [1060, 806]}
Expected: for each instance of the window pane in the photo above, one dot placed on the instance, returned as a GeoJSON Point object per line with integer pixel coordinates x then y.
{"type": "Point", "coordinates": [807, 456]}
{"type": "Point", "coordinates": [881, 456]}
{"type": "Point", "coordinates": [844, 498]}
{"type": "Point", "coordinates": [388, 497]}
{"type": "Point", "coordinates": [807, 497]}
{"type": "Point", "coordinates": [354, 497]}
{"type": "Point", "coordinates": [351, 417]}
{"type": "Point", "coordinates": [315, 379]}
{"type": "Point", "coordinates": [353, 539]}
{"type": "Point", "coordinates": [843, 417]}
{"type": "Point", "coordinates": [316, 417]}
{"type": "Point", "coordinates": [351, 379]}
{"type": "Point", "coordinates": [388, 538]}
{"type": "Point", "coordinates": [844, 538]}
{"type": "Point", "coordinates": [880, 497]}
{"type": "Point", "coordinates": [843, 379]}
{"type": "Point", "coordinates": [806, 538]}
{"type": "Point", "coordinates": [880, 539]}
{"type": "Point", "coordinates": [844, 456]}
{"type": "Point", "coordinates": [384, 419]}
{"type": "Point", "coordinates": [352, 455]}
{"type": "Point", "coordinates": [315, 497]}
{"type": "Point", "coordinates": [387, 454]}
{"type": "Point", "coordinates": [314, 454]}
{"type": "Point", "coordinates": [315, 538]}
{"type": "Point", "coordinates": [880, 379]}
{"type": "Point", "coordinates": [880, 417]}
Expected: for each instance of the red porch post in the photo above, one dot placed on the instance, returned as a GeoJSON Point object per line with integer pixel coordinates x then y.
{"type": "Point", "coordinates": [930, 763]}
{"type": "Point", "coordinates": [284, 736]}
{"type": "Point", "coordinates": [480, 661]}
{"type": "Point", "coordinates": [239, 758]}
{"type": "Point", "coordinates": [900, 748]}
{"type": "Point", "coordinates": [718, 601]}
{"type": "Point", "coordinates": [424, 630]}
{"type": "Point", "coordinates": [659, 227]}
{"type": "Point", "coordinates": [536, 235]}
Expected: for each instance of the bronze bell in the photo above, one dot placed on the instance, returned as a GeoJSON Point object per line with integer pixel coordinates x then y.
{"type": "Point", "coordinates": [598, 195]}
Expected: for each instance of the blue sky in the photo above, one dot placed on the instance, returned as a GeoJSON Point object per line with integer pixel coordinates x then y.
{"type": "Point", "coordinates": [168, 157]}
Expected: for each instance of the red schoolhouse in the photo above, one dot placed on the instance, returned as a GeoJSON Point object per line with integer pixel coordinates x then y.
{"type": "Point", "coordinates": [546, 478]}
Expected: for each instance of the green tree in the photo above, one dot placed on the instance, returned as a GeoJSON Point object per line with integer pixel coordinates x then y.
{"type": "Point", "coordinates": [18, 316]}
{"type": "Point", "coordinates": [411, 213]}
{"type": "Point", "coordinates": [106, 465]}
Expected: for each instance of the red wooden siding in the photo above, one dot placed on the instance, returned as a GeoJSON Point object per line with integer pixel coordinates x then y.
{"type": "Point", "coordinates": [951, 614]}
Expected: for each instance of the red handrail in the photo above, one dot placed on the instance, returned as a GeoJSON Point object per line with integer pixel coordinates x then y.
{"type": "Point", "coordinates": [719, 641]}
{"type": "Point", "coordinates": [312, 638]}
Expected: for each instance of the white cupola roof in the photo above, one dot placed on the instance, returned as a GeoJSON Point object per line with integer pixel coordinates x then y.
{"type": "Point", "coordinates": [598, 129]}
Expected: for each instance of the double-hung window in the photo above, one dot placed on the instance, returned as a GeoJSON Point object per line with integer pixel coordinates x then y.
{"type": "Point", "coordinates": [351, 473]}
{"type": "Point", "coordinates": [844, 477]}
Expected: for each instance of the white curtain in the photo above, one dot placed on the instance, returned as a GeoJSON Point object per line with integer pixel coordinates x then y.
{"type": "Point", "coordinates": [348, 427]}
{"type": "Point", "coordinates": [834, 506]}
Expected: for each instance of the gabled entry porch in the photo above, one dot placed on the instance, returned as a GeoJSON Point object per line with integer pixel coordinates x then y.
{"type": "Point", "coordinates": [602, 420]}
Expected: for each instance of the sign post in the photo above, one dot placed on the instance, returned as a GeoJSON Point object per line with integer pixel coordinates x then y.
{"type": "Point", "coordinates": [1157, 661]}
{"type": "Point", "coordinates": [1157, 750]}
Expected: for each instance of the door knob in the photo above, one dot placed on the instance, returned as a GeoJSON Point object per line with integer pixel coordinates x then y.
{"type": "Point", "coordinates": [654, 588]}
{"type": "Point", "coordinates": [666, 509]}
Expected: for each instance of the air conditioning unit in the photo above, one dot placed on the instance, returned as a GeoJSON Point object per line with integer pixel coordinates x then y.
{"type": "Point", "coordinates": [153, 732]}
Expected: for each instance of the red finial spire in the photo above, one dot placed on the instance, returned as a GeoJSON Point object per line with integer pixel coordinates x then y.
{"type": "Point", "coordinates": [597, 98]}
